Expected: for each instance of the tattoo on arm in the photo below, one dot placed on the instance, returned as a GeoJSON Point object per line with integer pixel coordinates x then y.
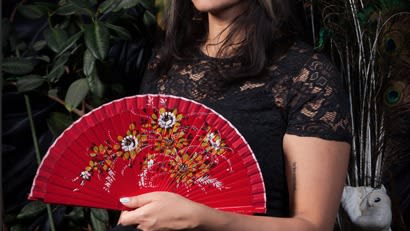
{"type": "Point", "coordinates": [293, 172]}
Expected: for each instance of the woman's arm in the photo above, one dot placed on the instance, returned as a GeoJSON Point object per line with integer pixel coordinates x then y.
{"type": "Point", "coordinates": [316, 173]}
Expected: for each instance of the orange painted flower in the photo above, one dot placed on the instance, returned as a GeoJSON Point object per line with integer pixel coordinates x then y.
{"type": "Point", "coordinates": [170, 144]}
{"type": "Point", "coordinates": [186, 169]}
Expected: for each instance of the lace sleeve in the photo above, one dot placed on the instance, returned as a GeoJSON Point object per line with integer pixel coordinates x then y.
{"type": "Point", "coordinates": [318, 103]}
{"type": "Point", "coordinates": [148, 80]}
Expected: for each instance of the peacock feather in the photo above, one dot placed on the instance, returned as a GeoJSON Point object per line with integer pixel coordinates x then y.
{"type": "Point", "coordinates": [370, 40]}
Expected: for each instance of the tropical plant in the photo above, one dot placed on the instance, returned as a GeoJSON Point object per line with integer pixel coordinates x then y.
{"type": "Point", "coordinates": [82, 54]}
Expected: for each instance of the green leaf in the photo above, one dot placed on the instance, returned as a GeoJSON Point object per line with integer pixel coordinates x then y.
{"type": "Point", "coordinates": [67, 9]}
{"type": "Point", "coordinates": [97, 39]}
{"type": "Point", "coordinates": [87, 4]}
{"type": "Point", "coordinates": [95, 84]}
{"type": "Point", "coordinates": [88, 63]}
{"type": "Point", "coordinates": [17, 66]}
{"type": "Point", "coordinates": [18, 227]}
{"type": "Point", "coordinates": [76, 214]}
{"type": "Point", "coordinates": [70, 42]}
{"type": "Point", "coordinates": [148, 4]}
{"type": "Point", "coordinates": [38, 45]}
{"type": "Point", "coordinates": [31, 210]}
{"type": "Point", "coordinates": [29, 83]}
{"type": "Point", "coordinates": [126, 4]}
{"type": "Point", "coordinates": [120, 31]}
{"type": "Point", "coordinates": [100, 214]}
{"type": "Point", "coordinates": [76, 93]}
{"type": "Point", "coordinates": [97, 224]}
{"type": "Point", "coordinates": [99, 219]}
{"type": "Point", "coordinates": [31, 11]}
{"type": "Point", "coordinates": [83, 7]}
{"type": "Point", "coordinates": [58, 122]}
{"type": "Point", "coordinates": [47, 6]}
{"type": "Point", "coordinates": [53, 92]}
{"type": "Point", "coordinates": [44, 58]}
{"type": "Point", "coordinates": [58, 68]}
{"type": "Point", "coordinates": [55, 38]}
{"type": "Point", "coordinates": [108, 6]}
{"type": "Point", "coordinates": [149, 18]}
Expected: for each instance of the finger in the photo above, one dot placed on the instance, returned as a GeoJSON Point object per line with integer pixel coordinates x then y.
{"type": "Point", "coordinates": [134, 217]}
{"type": "Point", "coordinates": [137, 201]}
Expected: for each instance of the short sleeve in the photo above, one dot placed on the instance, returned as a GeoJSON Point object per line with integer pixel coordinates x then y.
{"type": "Point", "coordinates": [318, 105]}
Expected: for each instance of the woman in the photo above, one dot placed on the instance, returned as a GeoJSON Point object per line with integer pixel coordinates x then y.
{"type": "Point", "coordinates": [237, 57]}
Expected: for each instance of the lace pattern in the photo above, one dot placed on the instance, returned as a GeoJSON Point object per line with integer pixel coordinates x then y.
{"type": "Point", "coordinates": [301, 93]}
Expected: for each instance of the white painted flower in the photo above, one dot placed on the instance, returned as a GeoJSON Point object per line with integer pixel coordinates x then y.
{"type": "Point", "coordinates": [214, 141]}
{"type": "Point", "coordinates": [129, 143]}
{"type": "Point", "coordinates": [167, 120]}
{"type": "Point", "coordinates": [85, 175]}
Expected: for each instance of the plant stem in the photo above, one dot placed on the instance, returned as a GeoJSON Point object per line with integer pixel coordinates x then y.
{"type": "Point", "coordinates": [60, 101]}
{"type": "Point", "coordinates": [38, 157]}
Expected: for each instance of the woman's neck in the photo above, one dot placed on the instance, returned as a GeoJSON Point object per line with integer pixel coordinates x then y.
{"type": "Point", "coordinates": [218, 30]}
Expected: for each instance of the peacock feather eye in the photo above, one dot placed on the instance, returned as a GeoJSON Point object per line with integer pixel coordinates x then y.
{"type": "Point", "coordinates": [394, 93]}
{"type": "Point", "coordinates": [390, 45]}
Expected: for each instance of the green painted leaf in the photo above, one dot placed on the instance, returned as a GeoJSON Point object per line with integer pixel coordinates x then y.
{"type": "Point", "coordinates": [58, 122]}
{"type": "Point", "coordinates": [55, 38]}
{"type": "Point", "coordinates": [31, 210]}
{"type": "Point", "coordinates": [17, 66]}
{"type": "Point", "coordinates": [120, 31]}
{"type": "Point", "coordinates": [88, 63]}
{"type": "Point", "coordinates": [97, 39]}
{"type": "Point", "coordinates": [31, 11]}
{"type": "Point", "coordinates": [76, 93]}
{"type": "Point", "coordinates": [29, 83]}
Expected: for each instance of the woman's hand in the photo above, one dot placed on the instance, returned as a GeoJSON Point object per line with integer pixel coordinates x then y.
{"type": "Point", "coordinates": [161, 211]}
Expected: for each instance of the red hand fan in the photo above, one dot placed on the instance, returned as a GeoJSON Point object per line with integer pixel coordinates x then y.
{"type": "Point", "coordinates": [149, 143]}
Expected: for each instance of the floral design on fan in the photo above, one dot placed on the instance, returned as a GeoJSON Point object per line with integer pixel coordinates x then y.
{"type": "Point", "coordinates": [213, 143]}
{"type": "Point", "coordinates": [169, 144]}
{"type": "Point", "coordinates": [166, 121]}
{"type": "Point", "coordinates": [101, 161]}
{"type": "Point", "coordinates": [184, 169]}
{"type": "Point", "coordinates": [130, 145]}
{"type": "Point", "coordinates": [186, 153]}
{"type": "Point", "coordinates": [103, 156]}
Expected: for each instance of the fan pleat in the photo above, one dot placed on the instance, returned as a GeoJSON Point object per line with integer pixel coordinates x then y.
{"type": "Point", "coordinates": [151, 143]}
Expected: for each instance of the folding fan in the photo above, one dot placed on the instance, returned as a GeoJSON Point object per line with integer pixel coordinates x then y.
{"type": "Point", "coordinates": [149, 143]}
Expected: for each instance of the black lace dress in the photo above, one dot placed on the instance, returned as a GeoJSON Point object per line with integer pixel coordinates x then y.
{"type": "Point", "coordinates": [301, 94]}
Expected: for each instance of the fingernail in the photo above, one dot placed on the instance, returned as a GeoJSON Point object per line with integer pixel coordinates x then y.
{"type": "Point", "coordinates": [124, 200]}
